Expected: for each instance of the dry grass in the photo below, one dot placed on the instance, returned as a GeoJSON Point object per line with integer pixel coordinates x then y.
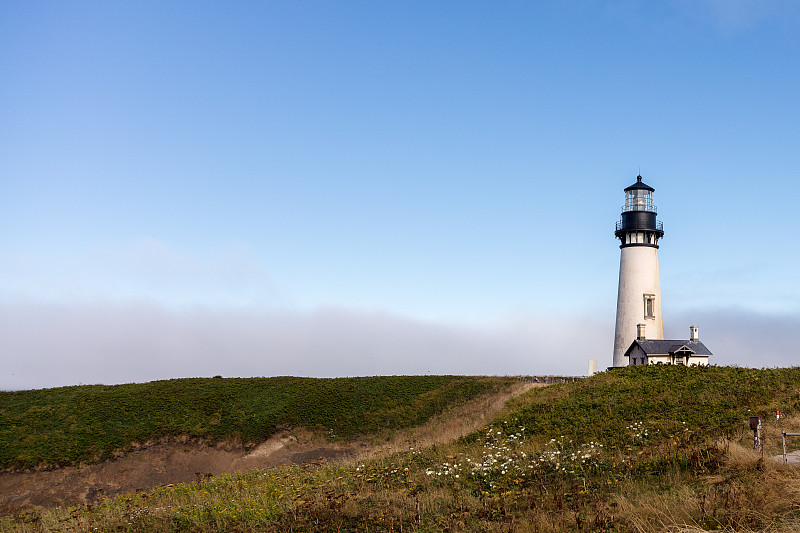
{"type": "Point", "coordinates": [749, 492]}
{"type": "Point", "coordinates": [744, 492]}
{"type": "Point", "coordinates": [648, 509]}
{"type": "Point", "coordinates": [450, 425]}
{"type": "Point", "coordinates": [655, 473]}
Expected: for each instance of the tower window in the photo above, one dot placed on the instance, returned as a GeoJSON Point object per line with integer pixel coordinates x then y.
{"type": "Point", "coordinates": [649, 305]}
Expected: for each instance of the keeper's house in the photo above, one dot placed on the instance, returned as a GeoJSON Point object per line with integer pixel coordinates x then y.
{"type": "Point", "coordinates": [689, 352]}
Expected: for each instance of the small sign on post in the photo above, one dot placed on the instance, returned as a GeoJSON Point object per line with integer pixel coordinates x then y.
{"type": "Point", "coordinates": [755, 425]}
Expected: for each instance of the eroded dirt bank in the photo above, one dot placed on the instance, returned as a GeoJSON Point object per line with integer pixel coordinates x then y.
{"type": "Point", "coordinates": [182, 462]}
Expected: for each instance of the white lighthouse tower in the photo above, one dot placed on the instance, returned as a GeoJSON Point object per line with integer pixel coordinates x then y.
{"type": "Point", "coordinates": [639, 293]}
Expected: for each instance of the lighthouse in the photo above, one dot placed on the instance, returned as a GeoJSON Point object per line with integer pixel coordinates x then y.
{"type": "Point", "coordinates": [639, 292]}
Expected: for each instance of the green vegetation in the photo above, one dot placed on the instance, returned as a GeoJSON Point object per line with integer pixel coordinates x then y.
{"type": "Point", "coordinates": [640, 449]}
{"type": "Point", "coordinates": [714, 400]}
{"type": "Point", "coordinates": [69, 425]}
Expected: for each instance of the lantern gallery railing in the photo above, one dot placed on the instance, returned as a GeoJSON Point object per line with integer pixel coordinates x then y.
{"type": "Point", "coordinates": [659, 226]}
{"type": "Point", "coordinates": [639, 206]}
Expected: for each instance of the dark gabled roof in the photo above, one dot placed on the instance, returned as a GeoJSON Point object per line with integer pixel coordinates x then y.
{"type": "Point", "coordinates": [667, 347]}
{"type": "Point", "coordinates": [639, 185]}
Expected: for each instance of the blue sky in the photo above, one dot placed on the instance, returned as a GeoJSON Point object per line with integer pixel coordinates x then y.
{"type": "Point", "coordinates": [357, 188]}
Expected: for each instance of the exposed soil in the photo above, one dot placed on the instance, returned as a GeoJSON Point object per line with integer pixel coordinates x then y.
{"type": "Point", "coordinates": [184, 461]}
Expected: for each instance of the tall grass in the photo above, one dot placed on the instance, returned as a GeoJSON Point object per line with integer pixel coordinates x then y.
{"type": "Point", "coordinates": [671, 453]}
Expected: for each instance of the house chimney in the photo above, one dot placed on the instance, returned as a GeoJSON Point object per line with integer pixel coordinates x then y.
{"type": "Point", "coordinates": [640, 332]}
{"type": "Point", "coordinates": [694, 336]}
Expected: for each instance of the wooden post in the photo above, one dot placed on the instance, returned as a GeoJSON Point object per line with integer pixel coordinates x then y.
{"type": "Point", "coordinates": [783, 438]}
{"type": "Point", "coordinates": [755, 425]}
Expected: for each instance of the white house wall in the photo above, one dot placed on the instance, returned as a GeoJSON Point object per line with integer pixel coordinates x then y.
{"type": "Point", "coordinates": [638, 354]}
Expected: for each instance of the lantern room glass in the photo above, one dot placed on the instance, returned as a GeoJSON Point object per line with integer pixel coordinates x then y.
{"type": "Point", "coordinates": [639, 200]}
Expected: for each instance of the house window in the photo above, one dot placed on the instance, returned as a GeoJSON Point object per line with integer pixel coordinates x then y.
{"type": "Point", "coordinates": [649, 305]}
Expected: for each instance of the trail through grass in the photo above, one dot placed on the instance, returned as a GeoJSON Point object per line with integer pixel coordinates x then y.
{"type": "Point", "coordinates": [636, 450]}
{"type": "Point", "coordinates": [69, 425]}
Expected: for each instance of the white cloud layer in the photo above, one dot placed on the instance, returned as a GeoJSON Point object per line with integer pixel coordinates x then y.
{"type": "Point", "coordinates": [745, 338]}
{"type": "Point", "coordinates": [46, 345]}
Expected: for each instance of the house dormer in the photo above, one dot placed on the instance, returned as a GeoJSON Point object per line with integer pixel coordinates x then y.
{"type": "Point", "coordinates": [681, 354]}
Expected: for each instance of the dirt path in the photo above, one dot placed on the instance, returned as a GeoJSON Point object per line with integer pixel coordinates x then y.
{"type": "Point", "coordinates": [183, 462]}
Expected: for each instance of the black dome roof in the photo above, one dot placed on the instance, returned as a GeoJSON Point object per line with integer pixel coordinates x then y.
{"type": "Point", "coordinates": [639, 185]}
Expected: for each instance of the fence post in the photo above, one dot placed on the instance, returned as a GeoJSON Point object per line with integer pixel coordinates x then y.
{"type": "Point", "coordinates": [755, 425]}
{"type": "Point", "coordinates": [783, 438]}
{"type": "Point", "coordinates": [784, 434]}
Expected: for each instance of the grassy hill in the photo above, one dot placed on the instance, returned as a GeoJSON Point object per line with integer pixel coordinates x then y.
{"type": "Point", "coordinates": [68, 425]}
{"type": "Point", "coordinates": [640, 449]}
{"type": "Point", "coordinates": [715, 401]}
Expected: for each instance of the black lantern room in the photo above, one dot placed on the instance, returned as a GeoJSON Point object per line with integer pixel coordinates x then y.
{"type": "Point", "coordinates": [638, 225]}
